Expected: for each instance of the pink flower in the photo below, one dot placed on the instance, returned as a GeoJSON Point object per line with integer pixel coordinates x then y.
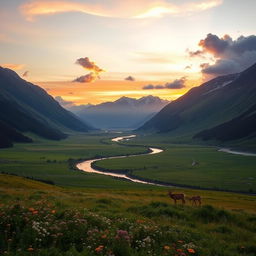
{"type": "Point", "coordinates": [123, 234]}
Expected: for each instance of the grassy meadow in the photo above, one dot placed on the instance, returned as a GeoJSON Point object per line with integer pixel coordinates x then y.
{"type": "Point", "coordinates": [88, 214]}
{"type": "Point", "coordinates": [50, 160]}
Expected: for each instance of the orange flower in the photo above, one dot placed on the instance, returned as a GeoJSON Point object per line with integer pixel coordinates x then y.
{"type": "Point", "coordinates": [191, 250]}
{"type": "Point", "coordinates": [140, 221]}
{"type": "Point", "coordinates": [53, 211]}
{"type": "Point", "coordinates": [103, 236]}
{"type": "Point", "coordinates": [31, 209]}
{"type": "Point", "coordinates": [35, 212]}
{"type": "Point", "coordinates": [30, 249]}
{"type": "Point", "coordinates": [179, 250]}
{"type": "Point", "coordinates": [167, 248]}
{"type": "Point", "coordinates": [99, 248]}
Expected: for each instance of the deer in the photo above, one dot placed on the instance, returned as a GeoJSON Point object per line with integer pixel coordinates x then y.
{"type": "Point", "coordinates": [177, 197]}
{"type": "Point", "coordinates": [195, 200]}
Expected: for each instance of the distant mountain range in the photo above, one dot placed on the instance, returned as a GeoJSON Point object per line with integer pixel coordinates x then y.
{"type": "Point", "coordinates": [222, 109]}
{"type": "Point", "coordinates": [124, 113]}
{"type": "Point", "coordinates": [26, 107]}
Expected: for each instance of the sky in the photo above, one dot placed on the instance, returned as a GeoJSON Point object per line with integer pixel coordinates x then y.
{"type": "Point", "coordinates": [91, 51]}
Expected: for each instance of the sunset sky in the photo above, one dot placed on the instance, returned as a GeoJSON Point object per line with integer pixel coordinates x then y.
{"type": "Point", "coordinates": [90, 51]}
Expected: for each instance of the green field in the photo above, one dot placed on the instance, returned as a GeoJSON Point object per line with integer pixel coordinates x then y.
{"type": "Point", "coordinates": [49, 160]}
{"type": "Point", "coordinates": [216, 170]}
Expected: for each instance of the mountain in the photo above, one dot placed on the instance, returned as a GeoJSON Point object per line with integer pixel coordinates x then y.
{"type": "Point", "coordinates": [124, 113]}
{"type": "Point", "coordinates": [9, 135]}
{"type": "Point", "coordinates": [222, 103]}
{"type": "Point", "coordinates": [26, 107]}
{"type": "Point", "coordinates": [240, 127]}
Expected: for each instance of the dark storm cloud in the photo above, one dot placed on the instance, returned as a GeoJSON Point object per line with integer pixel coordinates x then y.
{"type": "Point", "coordinates": [231, 56]}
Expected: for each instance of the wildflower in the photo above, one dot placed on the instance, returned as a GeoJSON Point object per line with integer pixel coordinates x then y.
{"type": "Point", "coordinates": [123, 234]}
{"type": "Point", "coordinates": [31, 209]}
{"type": "Point", "coordinates": [99, 248]}
{"type": "Point", "coordinates": [35, 212]}
{"type": "Point", "coordinates": [53, 211]}
{"type": "Point", "coordinates": [104, 236]}
{"type": "Point", "coordinates": [179, 250]}
{"type": "Point", "coordinates": [167, 248]}
{"type": "Point", "coordinates": [140, 221]}
{"type": "Point", "coordinates": [190, 250]}
{"type": "Point", "coordinates": [30, 249]}
{"type": "Point", "coordinates": [180, 241]}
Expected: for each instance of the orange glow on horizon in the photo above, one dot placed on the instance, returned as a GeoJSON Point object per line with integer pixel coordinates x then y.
{"type": "Point", "coordinates": [102, 91]}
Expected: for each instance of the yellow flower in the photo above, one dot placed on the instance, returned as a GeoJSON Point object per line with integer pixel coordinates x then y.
{"type": "Point", "coordinates": [167, 248]}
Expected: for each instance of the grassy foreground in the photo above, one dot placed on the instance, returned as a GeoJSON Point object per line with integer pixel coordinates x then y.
{"type": "Point", "coordinates": [41, 219]}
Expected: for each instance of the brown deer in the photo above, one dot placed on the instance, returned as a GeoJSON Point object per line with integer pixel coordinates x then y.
{"type": "Point", "coordinates": [177, 197]}
{"type": "Point", "coordinates": [195, 200]}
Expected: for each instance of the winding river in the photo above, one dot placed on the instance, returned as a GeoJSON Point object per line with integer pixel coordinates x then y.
{"type": "Point", "coordinates": [86, 166]}
{"type": "Point", "coordinates": [226, 150]}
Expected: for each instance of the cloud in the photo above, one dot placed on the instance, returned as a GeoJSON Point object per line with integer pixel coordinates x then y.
{"type": "Point", "coordinates": [89, 65]}
{"type": "Point", "coordinates": [25, 74]}
{"type": "Point", "coordinates": [13, 66]}
{"type": "Point", "coordinates": [148, 87]}
{"type": "Point", "coordinates": [130, 78]}
{"type": "Point", "coordinates": [64, 103]}
{"type": "Point", "coordinates": [89, 78]}
{"type": "Point", "coordinates": [229, 55]}
{"type": "Point", "coordinates": [116, 8]}
{"type": "Point", "coordinates": [176, 84]}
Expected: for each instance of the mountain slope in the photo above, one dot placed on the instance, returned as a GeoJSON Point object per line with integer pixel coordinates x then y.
{"type": "Point", "coordinates": [37, 100]}
{"type": "Point", "coordinates": [124, 113]}
{"type": "Point", "coordinates": [28, 108]}
{"type": "Point", "coordinates": [9, 135]}
{"type": "Point", "coordinates": [238, 128]}
{"type": "Point", "coordinates": [213, 103]}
